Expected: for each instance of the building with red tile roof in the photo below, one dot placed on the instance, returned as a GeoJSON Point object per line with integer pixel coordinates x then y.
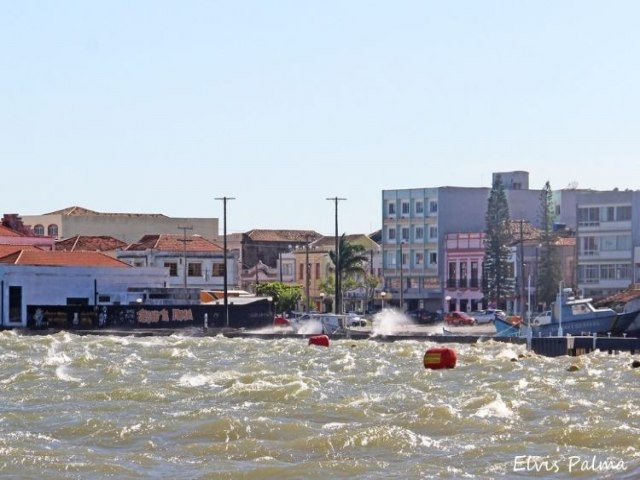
{"type": "Point", "coordinates": [191, 260]}
{"type": "Point", "coordinates": [36, 257]}
{"type": "Point", "coordinates": [9, 236]}
{"type": "Point", "coordinates": [30, 276]}
{"type": "Point", "coordinates": [95, 243]}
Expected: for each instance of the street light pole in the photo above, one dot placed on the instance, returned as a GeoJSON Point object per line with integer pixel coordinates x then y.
{"type": "Point", "coordinates": [307, 269]}
{"type": "Point", "coordinates": [184, 253]}
{"type": "Point", "coordinates": [401, 279]}
{"type": "Point", "coordinates": [226, 278]}
{"type": "Point", "coordinates": [337, 277]}
{"type": "Point", "coordinates": [560, 332]}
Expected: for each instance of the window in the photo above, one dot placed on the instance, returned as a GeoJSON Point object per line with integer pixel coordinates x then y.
{"type": "Point", "coordinates": [433, 232]}
{"type": "Point", "coordinates": [615, 243]}
{"type": "Point", "coordinates": [194, 270]}
{"type": "Point", "coordinates": [419, 207]}
{"type": "Point", "coordinates": [463, 270]}
{"type": "Point", "coordinates": [608, 214]}
{"type": "Point", "coordinates": [405, 234]}
{"type": "Point", "coordinates": [173, 268]}
{"type": "Point", "coordinates": [217, 270]}
{"type": "Point", "coordinates": [615, 271]}
{"type": "Point", "coordinates": [452, 270]}
{"type": "Point", "coordinates": [405, 208]}
{"type": "Point", "coordinates": [287, 269]}
{"type": "Point", "coordinates": [433, 258]}
{"type": "Point", "coordinates": [623, 214]}
{"type": "Point", "coordinates": [475, 283]}
{"type": "Point", "coordinates": [588, 273]}
{"type": "Point", "coordinates": [317, 270]}
{"type": "Point", "coordinates": [392, 234]}
{"type": "Point", "coordinates": [419, 258]}
{"type": "Point", "coordinates": [433, 206]}
{"type": "Point", "coordinates": [589, 246]}
{"type": "Point", "coordinates": [38, 230]}
{"type": "Point", "coordinates": [391, 259]}
{"type": "Point", "coordinates": [52, 230]}
{"type": "Point", "coordinates": [419, 233]}
{"type": "Point", "coordinates": [391, 208]}
{"type": "Point", "coordinates": [589, 216]}
{"type": "Point", "coordinates": [301, 272]}
{"type": "Point", "coordinates": [405, 258]}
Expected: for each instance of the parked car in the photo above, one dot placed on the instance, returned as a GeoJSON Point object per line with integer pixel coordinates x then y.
{"type": "Point", "coordinates": [457, 317]}
{"type": "Point", "coordinates": [489, 315]}
{"type": "Point", "coordinates": [354, 320]}
{"type": "Point", "coordinates": [423, 316]}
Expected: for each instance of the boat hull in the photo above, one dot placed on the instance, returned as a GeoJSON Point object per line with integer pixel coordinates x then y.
{"type": "Point", "coordinates": [506, 329]}
{"type": "Point", "coordinates": [605, 323]}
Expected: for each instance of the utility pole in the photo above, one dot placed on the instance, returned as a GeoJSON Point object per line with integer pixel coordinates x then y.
{"type": "Point", "coordinates": [522, 302]}
{"type": "Point", "coordinates": [401, 278]}
{"type": "Point", "coordinates": [184, 252]}
{"type": "Point", "coordinates": [224, 230]}
{"type": "Point", "coordinates": [307, 270]}
{"type": "Point", "coordinates": [337, 278]}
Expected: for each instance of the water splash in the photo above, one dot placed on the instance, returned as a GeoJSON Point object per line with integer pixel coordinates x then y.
{"type": "Point", "coordinates": [390, 322]}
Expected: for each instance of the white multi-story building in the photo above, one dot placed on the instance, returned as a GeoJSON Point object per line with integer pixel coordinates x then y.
{"type": "Point", "coordinates": [416, 222]}
{"type": "Point", "coordinates": [608, 241]}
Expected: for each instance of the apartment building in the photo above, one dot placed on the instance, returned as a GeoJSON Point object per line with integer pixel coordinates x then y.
{"type": "Point", "coordinates": [608, 242]}
{"type": "Point", "coordinates": [416, 223]}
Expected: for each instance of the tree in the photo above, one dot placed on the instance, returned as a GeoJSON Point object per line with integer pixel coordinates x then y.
{"type": "Point", "coordinates": [549, 268]}
{"type": "Point", "coordinates": [351, 261]}
{"type": "Point", "coordinates": [285, 297]}
{"type": "Point", "coordinates": [497, 272]}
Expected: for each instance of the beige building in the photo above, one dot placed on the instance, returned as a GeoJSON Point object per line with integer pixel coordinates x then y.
{"type": "Point", "coordinates": [127, 227]}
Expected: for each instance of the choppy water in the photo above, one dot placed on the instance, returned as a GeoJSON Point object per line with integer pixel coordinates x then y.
{"type": "Point", "coordinates": [212, 407]}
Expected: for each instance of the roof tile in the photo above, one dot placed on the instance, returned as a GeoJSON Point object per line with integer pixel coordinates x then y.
{"type": "Point", "coordinates": [56, 258]}
{"type": "Point", "coordinates": [175, 243]}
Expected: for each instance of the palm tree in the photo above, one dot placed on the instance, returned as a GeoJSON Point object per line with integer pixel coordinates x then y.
{"type": "Point", "coordinates": [351, 261]}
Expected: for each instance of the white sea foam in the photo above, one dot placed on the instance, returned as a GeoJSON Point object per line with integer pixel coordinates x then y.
{"type": "Point", "coordinates": [61, 373]}
{"type": "Point", "coordinates": [497, 408]}
{"type": "Point", "coordinates": [390, 322]}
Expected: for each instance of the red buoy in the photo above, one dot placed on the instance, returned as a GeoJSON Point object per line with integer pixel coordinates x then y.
{"type": "Point", "coordinates": [436, 358]}
{"type": "Point", "coordinates": [321, 340]}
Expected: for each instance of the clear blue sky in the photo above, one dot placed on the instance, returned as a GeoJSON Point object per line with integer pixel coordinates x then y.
{"type": "Point", "coordinates": [161, 106]}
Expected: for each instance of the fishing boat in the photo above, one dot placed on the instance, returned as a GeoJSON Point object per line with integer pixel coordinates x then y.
{"type": "Point", "coordinates": [571, 316]}
{"type": "Point", "coordinates": [505, 327]}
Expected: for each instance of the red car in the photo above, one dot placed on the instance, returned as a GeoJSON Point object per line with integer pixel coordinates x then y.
{"type": "Point", "coordinates": [459, 318]}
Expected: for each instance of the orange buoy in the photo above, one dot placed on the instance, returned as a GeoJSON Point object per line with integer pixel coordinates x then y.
{"type": "Point", "coordinates": [436, 358]}
{"type": "Point", "coordinates": [321, 340]}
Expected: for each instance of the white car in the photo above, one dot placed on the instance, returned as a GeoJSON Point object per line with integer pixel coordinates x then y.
{"type": "Point", "coordinates": [489, 315]}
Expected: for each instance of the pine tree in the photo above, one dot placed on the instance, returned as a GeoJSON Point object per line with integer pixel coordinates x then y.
{"type": "Point", "coordinates": [549, 267]}
{"type": "Point", "coordinates": [497, 272]}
